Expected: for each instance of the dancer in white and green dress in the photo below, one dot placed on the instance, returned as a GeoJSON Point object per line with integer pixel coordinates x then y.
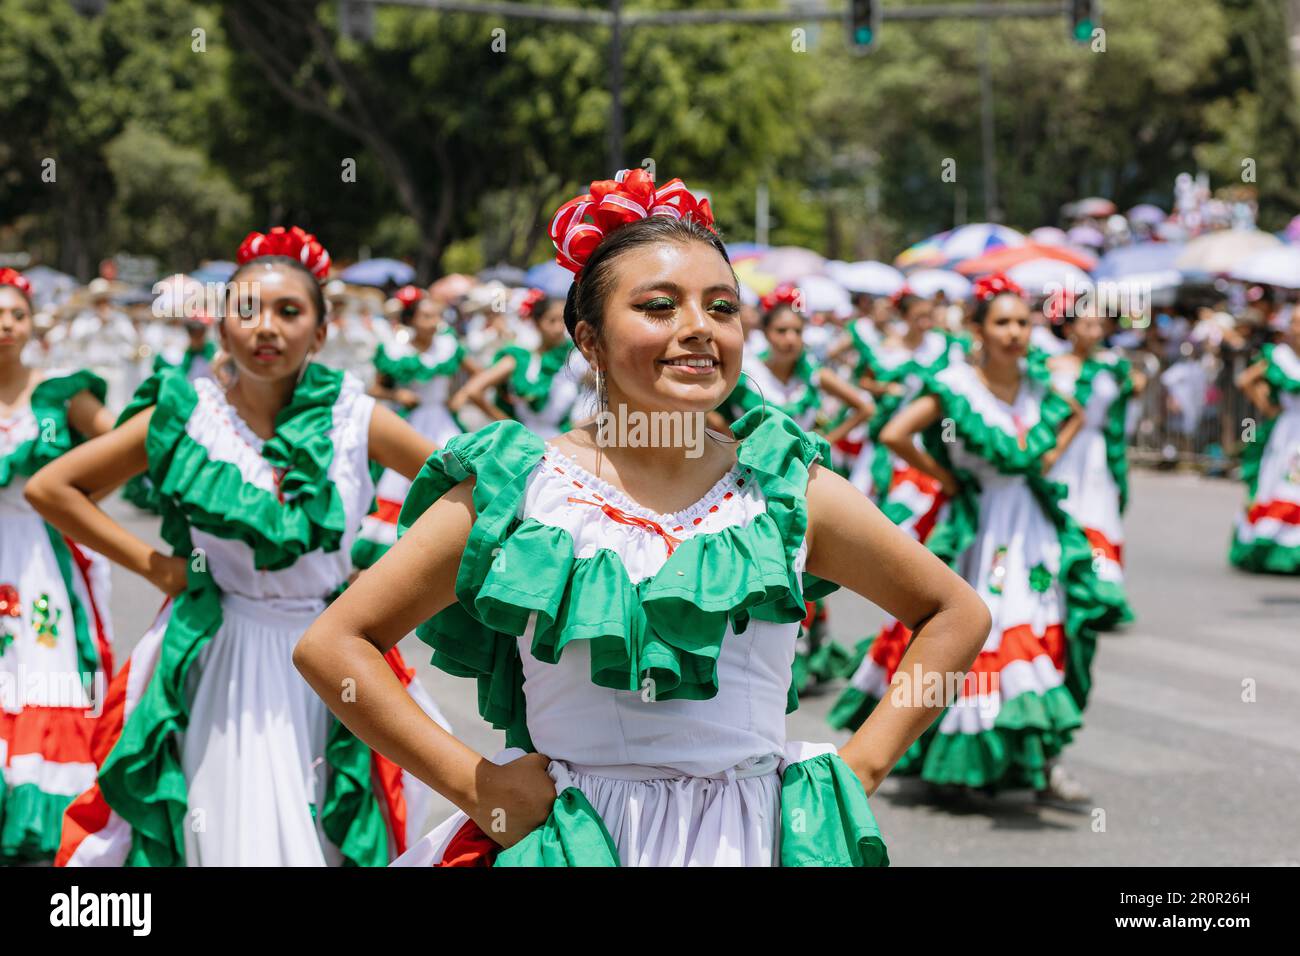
{"type": "Point", "coordinates": [630, 616]}
{"type": "Point", "coordinates": [1267, 533]}
{"type": "Point", "coordinates": [415, 377]}
{"type": "Point", "coordinates": [786, 377]}
{"type": "Point", "coordinates": [55, 639]}
{"type": "Point", "coordinates": [214, 751]}
{"type": "Point", "coordinates": [1007, 534]}
{"type": "Point", "coordinates": [538, 387]}
{"type": "Point", "coordinates": [1094, 468]}
{"type": "Point", "coordinates": [896, 369]}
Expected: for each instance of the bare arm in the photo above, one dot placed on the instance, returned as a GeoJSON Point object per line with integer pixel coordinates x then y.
{"type": "Point", "coordinates": [475, 390]}
{"type": "Point", "coordinates": [1252, 384]}
{"type": "Point", "coordinates": [910, 420]}
{"type": "Point", "coordinates": [344, 649]}
{"type": "Point", "coordinates": [88, 416]}
{"type": "Point", "coordinates": [63, 492]}
{"type": "Point", "coordinates": [1066, 435]}
{"type": "Point", "coordinates": [854, 545]}
{"type": "Point", "coordinates": [862, 404]}
{"type": "Point", "coordinates": [396, 445]}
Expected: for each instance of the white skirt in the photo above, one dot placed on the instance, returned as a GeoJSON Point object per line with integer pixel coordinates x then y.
{"type": "Point", "coordinates": [732, 819]}
{"type": "Point", "coordinates": [254, 750]}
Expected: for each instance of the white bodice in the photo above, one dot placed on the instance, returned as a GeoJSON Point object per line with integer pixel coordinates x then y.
{"type": "Point", "coordinates": [1014, 419]}
{"type": "Point", "coordinates": [627, 733]}
{"type": "Point", "coordinates": [217, 426]}
{"type": "Point", "coordinates": [1105, 390]}
{"type": "Point", "coordinates": [20, 427]}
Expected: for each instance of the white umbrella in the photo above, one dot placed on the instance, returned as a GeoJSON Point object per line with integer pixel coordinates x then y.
{"type": "Point", "coordinates": [821, 294]}
{"type": "Point", "coordinates": [790, 263]}
{"type": "Point", "coordinates": [1278, 266]}
{"type": "Point", "coordinates": [1224, 250]}
{"type": "Point", "coordinates": [868, 276]}
{"type": "Point", "coordinates": [1049, 236]}
{"type": "Point", "coordinates": [1040, 276]}
{"type": "Point", "coordinates": [926, 282]}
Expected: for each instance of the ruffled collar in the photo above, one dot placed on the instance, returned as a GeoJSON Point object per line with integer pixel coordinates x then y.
{"type": "Point", "coordinates": [734, 478]}
{"type": "Point", "coordinates": [303, 512]}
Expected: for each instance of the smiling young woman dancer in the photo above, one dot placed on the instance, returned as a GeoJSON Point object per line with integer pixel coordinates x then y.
{"type": "Point", "coordinates": [54, 640]}
{"type": "Point", "coordinates": [630, 613]}
{"type": "Point", "coordinates": [213, 751]}
{"type": "Point", "coordinates": [991, 431]}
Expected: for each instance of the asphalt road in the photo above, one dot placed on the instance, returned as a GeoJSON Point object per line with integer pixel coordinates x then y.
{"type": "Point", "coordinates": [1183, 768]}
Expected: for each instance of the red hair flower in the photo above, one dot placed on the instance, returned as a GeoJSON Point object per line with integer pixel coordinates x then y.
{"type": "Point", "coordinates": [16, 279]}
{"type": "Point", "coordinates": [293, 242]}
{"type": "Point", "coordinates": [897, 297]}
{"type": "Point", "coordinates": [408, 295]}
{"type": "Point", "coordinates": [578, 226]}
{"type": "Point", "coordinates": [530, 300]}
{"type": "Point", "coordinates": [787, 293]}
{"type": "Point", "coordinates": [992, 286]}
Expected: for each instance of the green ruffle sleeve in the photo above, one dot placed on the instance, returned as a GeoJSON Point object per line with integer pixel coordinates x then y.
{"type": "Point", "coordinates": [213, 497]}
{"type": "Point", "coordinates": [55, 436]}
{"type": "Point", "coordinates": [413, 368]}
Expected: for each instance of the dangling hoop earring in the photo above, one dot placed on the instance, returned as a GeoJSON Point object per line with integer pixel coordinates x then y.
{"type": "Point", "coordinates": [302, 372]}
{"type": "Point", "coordinates": [602, 406]}
{"type": "Point", "coordinates": [734, 441]}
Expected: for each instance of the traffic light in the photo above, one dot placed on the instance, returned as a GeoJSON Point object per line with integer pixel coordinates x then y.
{"type": "Point", "coordinates": [356, 20]}
{"type": "Point", "coordinates": [1085, 16]}
{"type": "Point", "coordinates": [863, 23]}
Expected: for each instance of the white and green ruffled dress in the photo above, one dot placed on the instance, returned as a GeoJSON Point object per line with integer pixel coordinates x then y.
{"type": "Point", "coordinates": [1094, 468]}
{"type": "Point", "coordinates": [648, 655]}
{"type": "Point", "coordinates": [215, 751]}
{"type": "Point", "coordinates": [429, 374]}
{"type": "Point", "coordinates": [1266, 536]}
{"type": "Point", "coordinates": [1007, 534]}
{"type": "Point", "coordinates": [543, 391]}
{"type": "Point", "coordinates": [55, 639]}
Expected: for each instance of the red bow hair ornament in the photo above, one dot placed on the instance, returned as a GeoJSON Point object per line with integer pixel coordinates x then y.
{"type": "Point", "coordinates": [408, 295]}
{"type": "Point", "coordinates": [529, 302]}
{"type": "Point", "coordinates": [16, 279]}
{"type": "Point", "coordinates": [578, 226]}
{"type": "Point", "coordinates": [293, 242]}
{"type": "Point", "coordinates": [787, 293]}
{"type": "Point", "coordinates": [992, 286]}
{"type": "Point", "coordinates": [897, 297]}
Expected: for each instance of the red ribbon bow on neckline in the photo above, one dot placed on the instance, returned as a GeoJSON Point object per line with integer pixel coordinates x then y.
{"type": "Point", "coordinates": [578, 226]}
{"type": "Point", "coordinates": [529, 302]}
{"type": "Point", "coordinates": [635, 521]}
{"type": "Point", "coordinates": [408, 295]}
{"type": "Point", "coordinates": [991, 286]}
{"type": "Point", "coordinates": [16, 279]}
{"type": "Point", "coordinates": [786, 293]}
{"type": "Point", "coordinates": [294, 242]}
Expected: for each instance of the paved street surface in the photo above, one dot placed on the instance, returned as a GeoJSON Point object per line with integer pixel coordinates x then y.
{"type": "Point", "coordinates": [1182, 770]}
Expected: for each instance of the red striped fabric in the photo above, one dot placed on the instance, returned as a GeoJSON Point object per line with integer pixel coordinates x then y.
{"type": "Point", "coordinates": [1288, 512]}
